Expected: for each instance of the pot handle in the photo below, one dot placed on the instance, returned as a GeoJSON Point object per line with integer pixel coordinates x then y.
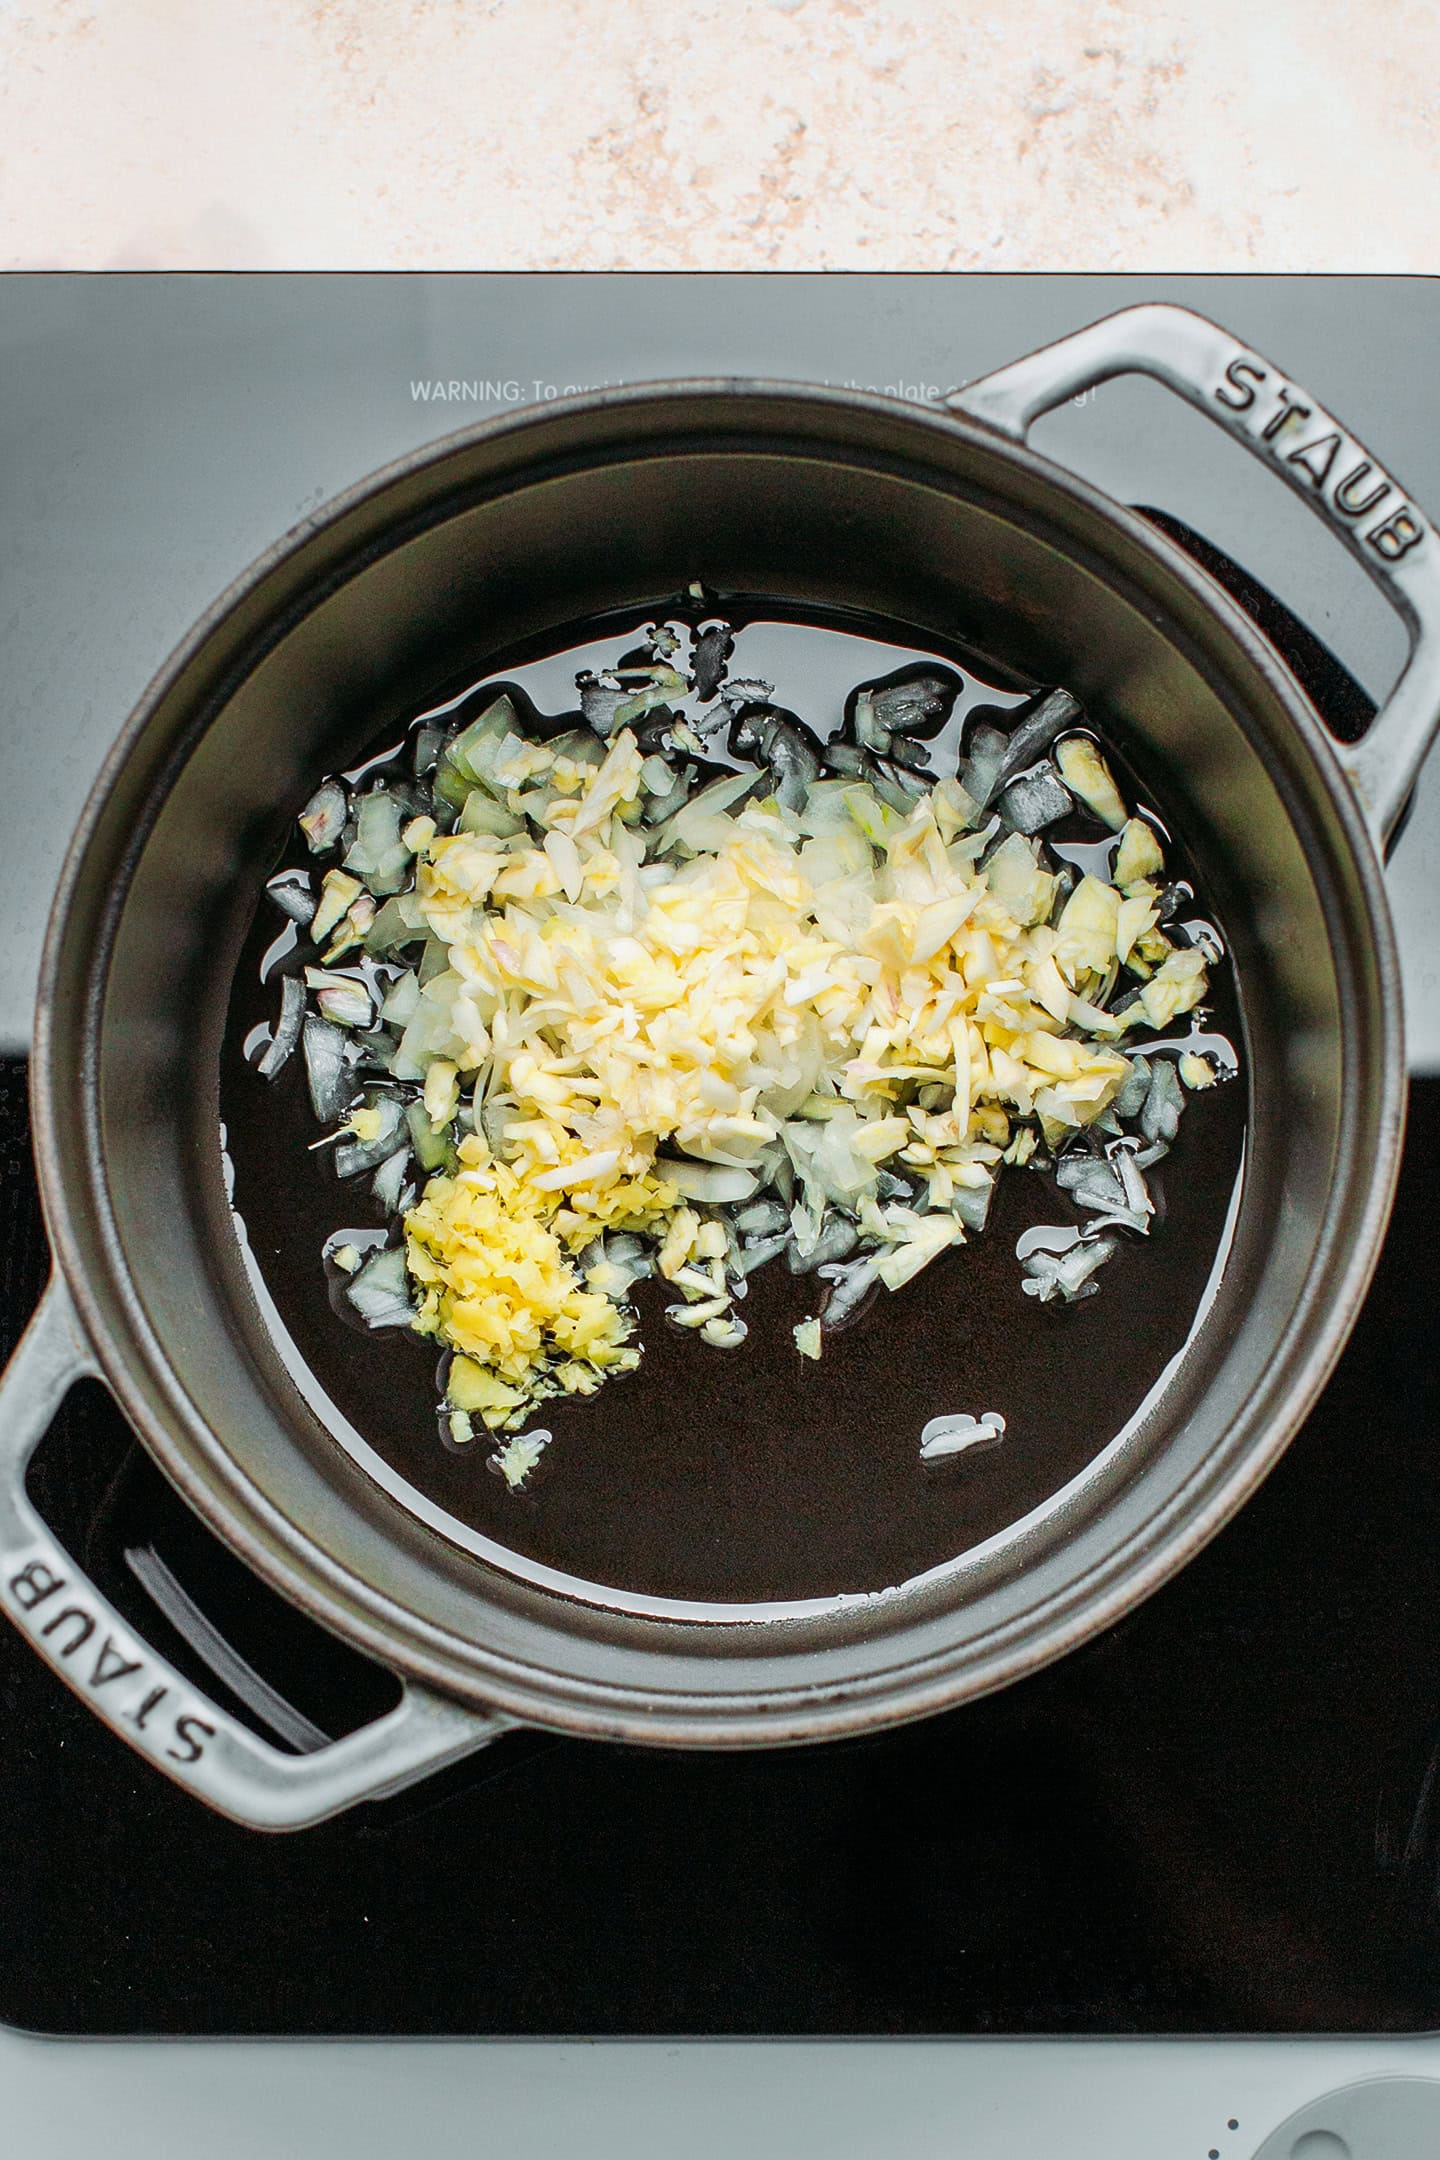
{"type": "Point", "coordinates": [138, 1693]}
{"type": "Point", "coordinates": [1319, 459]}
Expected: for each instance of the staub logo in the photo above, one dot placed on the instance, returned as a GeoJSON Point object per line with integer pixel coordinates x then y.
{"type": "Point", "coordinates": [1349, 483]}
{"type": "Point", "coordinates": [76, 1637]}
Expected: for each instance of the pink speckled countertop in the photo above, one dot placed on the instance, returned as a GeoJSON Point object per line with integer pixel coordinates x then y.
{"type": "Point", "coordinates": [726, 134]}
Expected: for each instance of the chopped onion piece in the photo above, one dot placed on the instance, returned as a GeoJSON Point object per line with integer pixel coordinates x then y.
{"type": "Point", "coordinates": [472, 755]}
{"type": "Point", "coordinates": [433, 1147]}
{"type": "Point", "coordinates": [972, 1202]}
{"type": "Point", "coordinates": [483, 814]}
{"type": "Point", "coordinates": [981, 773]}
{"type": "Point", "coordinates": [378, 854]}
{"type": "Point", "coordinates": [401, 1000]}
{"type": "Point", "coordinates": [1090, 1181]}
{"type": "Point", "coordinates": [323, 819]}
{"type": "Point", "coordinates": [845, 757]}
{"type": "Point", "coordinates": [851, 1284]}
{"type": "Point", "coordinates": [1032, 737]}
{"type": "Point", "coordinates": [925, 1244]}
{"type": "Point", "coordinates": [518, 1457]}
{"type": "Point", "coordinates": [877, 819]}
{"type": "Point", "coordinates": [352, 928]}
{"type": "Point", "coordinates": [327, 1069]}
{"type": "Point", "coordinates": [725, 1333]}
{"type": "Point", "coordinates": [1130, 1095]}
{"type": "Point", "coordinates": [565, 859]}
{"type": "Point", "coordinates": [837, 1240]}
{"type": "Point", "coordinates": [1035, 799]}
{"type": "Point", "coordinates": [712, 1183]}
{"type": "Point", "coordinates": [373, 1141]}
{"type": "Point", "coordinates": [1087, 775]}
{"type": "Point", "coordinates": [1138, 855]}
{"type": "Point", "coordinates": [400, 921]}
{"type": "Point", "coordinates": [337, 890]}
{"type": "Point", "coordinates": [1066, 1275]}
{"type": "Point", "coordinates": [944, 1437]}
{"type": "Point", "coordinates": [1014, 876]}
{"type": "Point", "coordinates": [291, 893]}
{"type": "Point", "coordinates": [287, 1028]}
{"type": "Point", "coordinates": [1160, 1116]}
{"type": "Point", "coordinates": [389, 1179]}
{"type": "Point", "coordinates": [686, 826]}
{"type": "Point", "coordinates": [341, 998]}
{"type": "Point", "coordinates": [695, 1316]}
{"type": "Point", "coordinates": [1137, 1197]}
{"type": "Point", "coordinates": [761, 1218]}
{"type": "Point", "coordinates": [380, 1290]}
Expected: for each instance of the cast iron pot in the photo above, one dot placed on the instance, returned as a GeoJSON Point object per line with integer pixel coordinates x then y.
{"type": "Point", "coordinates": [934, 517]}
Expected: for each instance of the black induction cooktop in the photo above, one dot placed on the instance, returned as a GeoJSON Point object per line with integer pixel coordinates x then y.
{"type": "Point", "coordinates": [1221, 1816]}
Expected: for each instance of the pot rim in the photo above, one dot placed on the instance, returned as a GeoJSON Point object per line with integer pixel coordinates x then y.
{"type": "Point", "coordinates": [282, 1552]}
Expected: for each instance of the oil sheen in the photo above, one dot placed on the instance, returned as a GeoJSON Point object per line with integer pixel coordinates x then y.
{"type": "Point", "coordinates": [754, 1475]}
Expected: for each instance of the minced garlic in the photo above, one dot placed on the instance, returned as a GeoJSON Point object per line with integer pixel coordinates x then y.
{"type": "Point", "coordinates": [746, 981]}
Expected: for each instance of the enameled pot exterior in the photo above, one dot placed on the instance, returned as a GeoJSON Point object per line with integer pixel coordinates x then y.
{"type": "Point", "coordinates": [823, 498]}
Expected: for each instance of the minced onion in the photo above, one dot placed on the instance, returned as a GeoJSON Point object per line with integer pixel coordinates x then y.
{"type": "Point", "coordinates": [944, 997]}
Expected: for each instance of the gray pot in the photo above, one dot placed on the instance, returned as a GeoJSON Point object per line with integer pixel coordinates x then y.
{"type": "Point", "coordinates": [931, 516]}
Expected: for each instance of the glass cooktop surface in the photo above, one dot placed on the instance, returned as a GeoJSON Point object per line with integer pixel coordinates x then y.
{"type": "Point", "coordinates": [1219, 1817]}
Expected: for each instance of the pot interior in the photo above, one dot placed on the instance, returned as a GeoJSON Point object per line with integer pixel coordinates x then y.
{"type": "Point", "coordinates": [708, 1482]}
{"type": "Point", "coordinates": [439, 576]}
